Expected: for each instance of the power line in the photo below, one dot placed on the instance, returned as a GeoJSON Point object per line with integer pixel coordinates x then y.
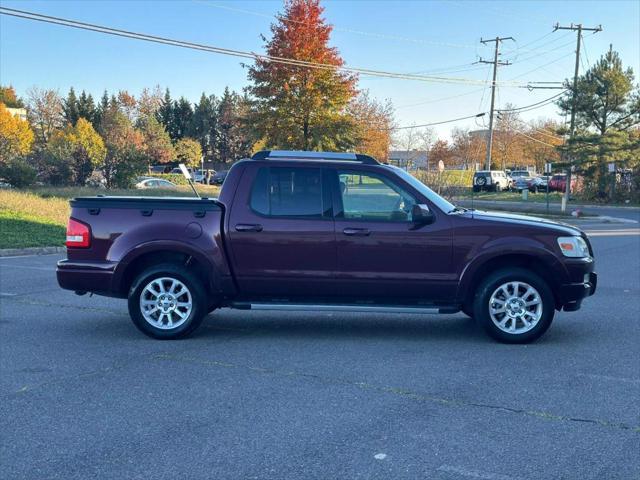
{"type": "Point", "coordinates": [231, 52]}
{"type": "Point", "coordinates": [439, 123]}
{"type": "Point", "coordinates": [537, 130]}
{"type": "Point", "coordinates": [586, 55]}
{"type": "Point", "coordinates": [338, 29]}
{"type": "Point", "coordinates": [527, 107]}
{"type": "Point", "coordinates": [436, 100]}
{"type": "Point", "coordinates": [572, 129]}
{"type": "Point", "coordinates": [495, 64]}
{"type": "Point", "coordinates": [533, 139]}
{"type": "Point", "coordinates": [542, 66]}
{"type": "Point", "coordinates": [537, 50]}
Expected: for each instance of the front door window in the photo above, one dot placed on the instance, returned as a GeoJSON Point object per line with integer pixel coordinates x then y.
{"type": "Point", "coordinates": [373, 198]}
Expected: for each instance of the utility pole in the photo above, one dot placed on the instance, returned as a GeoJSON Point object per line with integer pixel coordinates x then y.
{"type": "Point", "coordinates": [572, 128]}
{"type": "Point", "coordinates": [495, 63]}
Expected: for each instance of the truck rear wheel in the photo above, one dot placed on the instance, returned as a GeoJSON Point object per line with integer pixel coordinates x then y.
{"type": "Point", "coordinates": [167, 301]}
{"type": "Point", "coordinates": [514, 305]}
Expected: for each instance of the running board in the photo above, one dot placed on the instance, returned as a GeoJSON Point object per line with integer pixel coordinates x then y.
{"type": "Point", "coordinates": [296, 307]}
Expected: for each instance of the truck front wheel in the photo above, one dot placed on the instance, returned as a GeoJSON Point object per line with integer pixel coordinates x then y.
{"type": "Point", "coordinates": [514, 305]}
{"type": "Point", "coordinates": [167, 301]}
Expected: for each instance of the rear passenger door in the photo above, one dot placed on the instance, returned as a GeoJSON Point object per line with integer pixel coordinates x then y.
{"type": "Point", "coordinates": [281, 232]}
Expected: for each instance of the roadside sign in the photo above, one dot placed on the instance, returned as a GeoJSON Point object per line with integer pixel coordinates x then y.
{"type": "Point", "coordinates": [548, 167]}
{"type": "Point", "coordinates": [441, 166]}
{"type": "Point", "coordinates": [612, 167]}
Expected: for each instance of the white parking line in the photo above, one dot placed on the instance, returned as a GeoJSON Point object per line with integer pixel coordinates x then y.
{"type": "Point", "coordinates": [628, 232]}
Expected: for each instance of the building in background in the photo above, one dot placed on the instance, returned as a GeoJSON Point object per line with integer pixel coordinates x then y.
{"type": "Point", "coordinates": [21, 113]}
{"type": "Point", "coordinates": [409, 159]}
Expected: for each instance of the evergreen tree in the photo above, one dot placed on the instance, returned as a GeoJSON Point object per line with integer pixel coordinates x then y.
{"type": "Point", "coordinates": [100, 110]}
{"type": "Point", "coordinates": [204, 124]}
{"type": "Point", "coordinates": [232, 141]}
{"type": "Point", "coordinates": [607, 107]}
{"type": "Point", "coordinates": [182, 115]}
{"type": "Point", "coordinates": [70, 108]}
{"type": "Point", "coordinates": [165, 112]}
{"type": "Point", "coordinates": [87, 109]}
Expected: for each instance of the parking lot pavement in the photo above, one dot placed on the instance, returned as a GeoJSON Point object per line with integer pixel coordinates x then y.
{"type": "Point", "coordinates": [318, 395]}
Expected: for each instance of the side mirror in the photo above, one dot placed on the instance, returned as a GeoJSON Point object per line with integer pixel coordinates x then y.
{"type": "Point", "coordinates": [421, 215]}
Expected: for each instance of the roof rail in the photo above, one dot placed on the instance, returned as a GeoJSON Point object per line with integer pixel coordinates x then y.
{"type": "Point", "coordinates": [313, 156]}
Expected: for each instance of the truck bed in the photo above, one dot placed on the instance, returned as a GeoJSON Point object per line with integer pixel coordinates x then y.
{"type": "Point", "coordinates": [125, 229]}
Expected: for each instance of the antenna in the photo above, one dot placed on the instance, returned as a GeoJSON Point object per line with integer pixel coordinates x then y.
{"type": "Point", "coordinates": [187, 175]}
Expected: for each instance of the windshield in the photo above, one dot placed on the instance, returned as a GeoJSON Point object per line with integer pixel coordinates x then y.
{"type": "Point", "coordinates": [440, 202]}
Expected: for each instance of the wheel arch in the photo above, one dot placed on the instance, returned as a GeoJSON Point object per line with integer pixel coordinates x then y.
{"type": "Point", "coordinates": [154, 253]}
{"type": "Point", "coordinates": [546, 266]}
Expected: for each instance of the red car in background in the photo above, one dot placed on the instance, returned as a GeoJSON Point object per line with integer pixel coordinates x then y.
{"type": "Point", "coordinates": [558, 182]}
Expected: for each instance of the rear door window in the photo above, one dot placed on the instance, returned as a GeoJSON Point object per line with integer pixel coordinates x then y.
{"type": "Point", "coordinates": [288, 192]}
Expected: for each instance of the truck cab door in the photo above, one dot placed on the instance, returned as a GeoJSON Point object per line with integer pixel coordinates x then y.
{"type": "Point", "coordinates": [382, 254]}
{"type": "Point", "coordinates": [281, 232]}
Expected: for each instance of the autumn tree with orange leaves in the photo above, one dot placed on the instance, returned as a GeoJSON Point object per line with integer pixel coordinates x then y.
{"type": "Point", "coordinates": [297, 107]}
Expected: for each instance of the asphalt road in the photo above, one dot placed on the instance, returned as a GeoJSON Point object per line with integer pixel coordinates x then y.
{"type": "Point", "coordinates": [624, 213]}
{"type": "Point", "coordinates": [305, 395]}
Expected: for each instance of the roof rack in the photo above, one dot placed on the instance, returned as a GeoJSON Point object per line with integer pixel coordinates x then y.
{"type": "Point", "coordinates": [313, 156]}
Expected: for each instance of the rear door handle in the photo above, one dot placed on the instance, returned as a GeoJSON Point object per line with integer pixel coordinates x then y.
{"type": "Point", "coordinates": [357, 232]}
{"type": "Point", "coordinates": [248, 227]}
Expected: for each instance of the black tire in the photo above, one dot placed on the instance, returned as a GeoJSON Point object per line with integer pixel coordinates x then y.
{"type": "Point", "coordinates": [198, 297]}
{"type": "Point", "coordinates": [476, 188]}
{"type": "Point", "coordinates": [488, 286]}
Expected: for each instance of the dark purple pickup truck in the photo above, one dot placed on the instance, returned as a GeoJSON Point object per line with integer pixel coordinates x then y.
{"type": "Point", "coordinates": [320, 231]}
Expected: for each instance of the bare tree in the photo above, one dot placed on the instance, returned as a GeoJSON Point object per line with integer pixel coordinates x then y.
{"type": "Point", "coordinates": [413, 141]}
{"type": "Point", "coordinates": [149, 102]}
{"type": "Point", "coordinates": [44, 109]}
{"type": "Point", "coordinates": [468, 149]}
{"type": "Point", "coordinates": [508, 140]}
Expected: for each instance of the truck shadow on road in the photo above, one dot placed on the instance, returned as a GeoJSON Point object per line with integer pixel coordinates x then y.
{"type": "Point", "coordinates": [274, 325]}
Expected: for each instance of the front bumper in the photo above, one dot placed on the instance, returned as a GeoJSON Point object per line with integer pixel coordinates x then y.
{"type": "Point", "coordinates": [572, 294]}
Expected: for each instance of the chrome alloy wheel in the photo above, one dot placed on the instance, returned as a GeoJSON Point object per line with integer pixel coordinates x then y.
{"type": "Point", "coordinates": [166, 303]}
{"type": "Point", "coordinates": [515, 307]}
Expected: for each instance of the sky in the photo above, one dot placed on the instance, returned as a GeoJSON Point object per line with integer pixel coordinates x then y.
{"type": "Point", "coordinates": [436, 38]}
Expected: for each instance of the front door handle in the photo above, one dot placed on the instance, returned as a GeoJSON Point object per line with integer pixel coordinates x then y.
{"type": "Point", "coordinates": [248, 227]}
{"type": "Point", "coordinates": [357, 232]}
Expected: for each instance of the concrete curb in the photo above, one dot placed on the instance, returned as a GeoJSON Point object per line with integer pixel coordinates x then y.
{"type": "Point", "coordinates": [19, 252]}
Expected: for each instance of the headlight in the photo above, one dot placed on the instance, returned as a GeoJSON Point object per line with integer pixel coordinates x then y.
{"type": "Point", "coordinates": [573, 247]}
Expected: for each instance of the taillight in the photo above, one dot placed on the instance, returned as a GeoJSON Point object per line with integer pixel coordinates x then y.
{"type": "Point", "coordinates": [78, 234]}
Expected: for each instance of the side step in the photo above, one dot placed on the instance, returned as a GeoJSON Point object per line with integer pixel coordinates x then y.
{"type": "Point", "coordinates": [297, 307]}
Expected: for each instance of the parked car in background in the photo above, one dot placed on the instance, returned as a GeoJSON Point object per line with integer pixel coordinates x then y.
{"type": "Point", "coordinates": [152, 182]}
{"type": "Point", "coordinates": [490, 180]}
{"type": "Point", "coordinates": [558, 183]}
{"type": "Point", "coordinates": [515, 174]}
{"type": "Point", "coordinates": [539, 183]}
{"type": "Point", "coordinates": [522, 182]}
{"type": "Point", "coordinates": [533, 184]}
{"type": "Point", "coordinates": [160, 169]}
{"type": "Point", "coordinates": [218, 177]}
{"type": "Point", "coordinates": [201, 175]}
{"type": "Point", "coordinates": [196, 175]}
{"type": "Point", "coordinates": [324, 231]}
